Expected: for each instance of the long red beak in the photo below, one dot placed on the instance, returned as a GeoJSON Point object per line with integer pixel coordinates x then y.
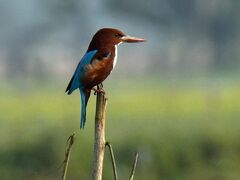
{"type": "Point", "coordinates": [131, 39]}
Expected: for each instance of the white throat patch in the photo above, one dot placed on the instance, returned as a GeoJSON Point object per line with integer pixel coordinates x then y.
{"type": "Point", "coordinates": [115, 57]}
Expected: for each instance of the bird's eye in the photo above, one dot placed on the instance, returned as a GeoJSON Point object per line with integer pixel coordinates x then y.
{"type": "Point", "coordinates": [119, 35]}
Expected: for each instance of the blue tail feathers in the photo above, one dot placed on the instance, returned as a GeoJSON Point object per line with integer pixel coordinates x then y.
{"type": "Point", "coordinates": [83, 112]}
{"type": "Point", "coordinates": [84, 100]}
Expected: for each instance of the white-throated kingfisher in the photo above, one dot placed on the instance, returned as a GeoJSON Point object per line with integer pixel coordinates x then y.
{"type": "Point", "coordinates": [97, 63]}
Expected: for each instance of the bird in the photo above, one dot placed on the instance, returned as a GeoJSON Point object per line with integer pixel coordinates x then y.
{"type": "Point", "coordinates": [96, 65]}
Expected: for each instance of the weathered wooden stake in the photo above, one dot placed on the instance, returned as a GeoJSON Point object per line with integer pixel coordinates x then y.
{"type": "Point", "coordinates": [99, 140]}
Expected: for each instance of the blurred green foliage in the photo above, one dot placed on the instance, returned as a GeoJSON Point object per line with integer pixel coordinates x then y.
{"type": "Point", "coordinates": [182, 130]}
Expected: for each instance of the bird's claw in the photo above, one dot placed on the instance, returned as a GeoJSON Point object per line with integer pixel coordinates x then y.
{"type": "Point", "coordinates": [100, 90]}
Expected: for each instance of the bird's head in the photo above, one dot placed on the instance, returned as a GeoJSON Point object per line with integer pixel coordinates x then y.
{"type": "Point", "coordinates": [110, 36]}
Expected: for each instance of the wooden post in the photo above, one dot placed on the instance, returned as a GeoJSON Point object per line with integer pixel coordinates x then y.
{"type": "Point", "coordinates": [99, 140]}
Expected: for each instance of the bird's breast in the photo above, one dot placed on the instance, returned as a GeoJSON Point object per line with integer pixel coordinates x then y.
{"type": "Point", "coordinates": [99, 69]}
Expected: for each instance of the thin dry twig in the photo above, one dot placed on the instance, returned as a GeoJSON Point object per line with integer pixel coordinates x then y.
{"type": "Point", "coordinates": [65, 163]}
{"type": "Point", "coordinates": [134, 166]}
{"type": "Point", "coordinates": [108, 144]}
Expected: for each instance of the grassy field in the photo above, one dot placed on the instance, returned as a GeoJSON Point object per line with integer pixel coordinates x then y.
{"type": "Point", "coordinates": [182, 130]}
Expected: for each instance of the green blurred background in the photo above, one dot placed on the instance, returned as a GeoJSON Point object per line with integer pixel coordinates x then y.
{"type": "Point", "coordinates": [175, 98]}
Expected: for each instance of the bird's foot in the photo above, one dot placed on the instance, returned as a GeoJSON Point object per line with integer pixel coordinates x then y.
{"type": "Point", "coordinates": [100, 90]}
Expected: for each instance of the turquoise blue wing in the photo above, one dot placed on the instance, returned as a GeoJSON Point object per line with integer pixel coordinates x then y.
{"type": "Point", "coordinates": [75, 81]}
